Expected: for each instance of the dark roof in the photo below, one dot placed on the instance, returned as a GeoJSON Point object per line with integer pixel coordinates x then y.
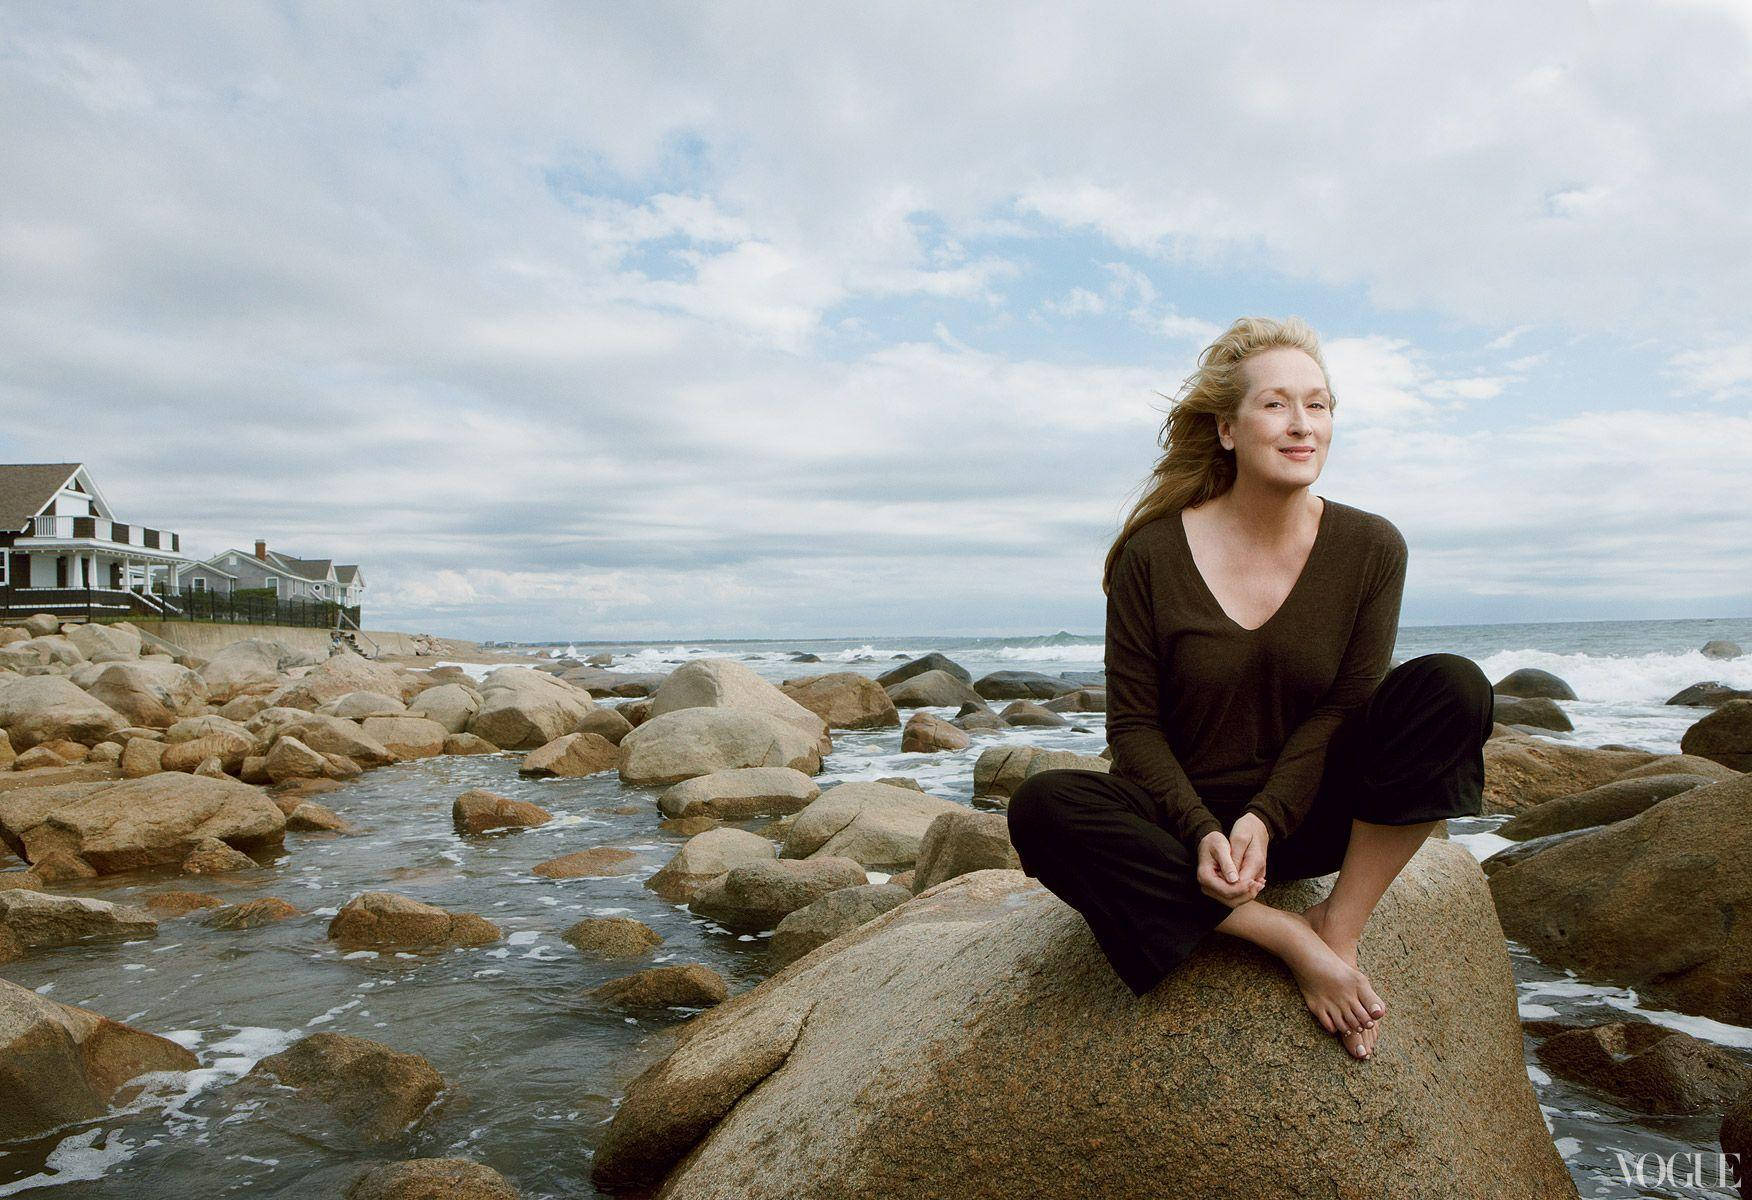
{"type": "Point", "coordinates": [309, 568]}
{"type": "Point", "coordinates": [346, 572]}
{"type": "Point", "coordinates": [27, 488]}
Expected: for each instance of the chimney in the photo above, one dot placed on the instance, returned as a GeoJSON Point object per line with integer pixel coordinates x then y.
{"type": "Point", "coordinates": [261, 550]}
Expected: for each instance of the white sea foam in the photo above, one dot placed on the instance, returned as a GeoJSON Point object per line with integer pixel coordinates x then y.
{"type": "Point", "coordinates": [77, 1159]}
{"type": "Point", "coordinates": [1068, 652]}
{"type": "Point", "coordinates": [1624, 679]}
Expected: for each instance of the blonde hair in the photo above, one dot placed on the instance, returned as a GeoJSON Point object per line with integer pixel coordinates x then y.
{"type": "Point", "coordinates": [1194, 465]}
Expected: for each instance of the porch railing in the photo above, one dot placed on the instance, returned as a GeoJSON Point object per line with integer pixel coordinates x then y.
{"type": "Point", "coordinates": [101, 529]}
{"type": "Point", "coordinates": [186, 605]}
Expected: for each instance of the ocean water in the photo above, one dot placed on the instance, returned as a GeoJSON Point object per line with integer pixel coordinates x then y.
{"type": "Point", "coordinates": [537, 1065]}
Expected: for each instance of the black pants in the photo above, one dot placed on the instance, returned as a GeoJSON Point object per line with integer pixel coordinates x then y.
{"type": "Point", "coordinates": [1414, 752]}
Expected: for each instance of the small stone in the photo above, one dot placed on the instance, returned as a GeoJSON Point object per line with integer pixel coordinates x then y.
{"type": "Point", "coordinates": [213, 857]}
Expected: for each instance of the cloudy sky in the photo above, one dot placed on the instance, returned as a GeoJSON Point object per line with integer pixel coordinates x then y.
{"type": "Point", "coordinates": [667, 321]}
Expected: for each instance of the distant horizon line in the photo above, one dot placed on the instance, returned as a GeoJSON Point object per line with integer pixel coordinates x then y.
{"type": "Point", "coordinates": [1060, 633]}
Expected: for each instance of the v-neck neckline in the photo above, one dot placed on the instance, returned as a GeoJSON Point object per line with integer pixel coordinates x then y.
{"type": "Point", "coordinates": [1307, 569]}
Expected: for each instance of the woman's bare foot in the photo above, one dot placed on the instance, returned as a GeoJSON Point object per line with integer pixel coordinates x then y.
{"type": "Point", "coordinates": [1346, 949]}
{"type": "Point", "coordinates": [1337, 993]}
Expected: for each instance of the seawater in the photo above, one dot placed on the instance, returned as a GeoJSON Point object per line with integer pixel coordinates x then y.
{"type": "Point", "coordinates": [537, 1066]}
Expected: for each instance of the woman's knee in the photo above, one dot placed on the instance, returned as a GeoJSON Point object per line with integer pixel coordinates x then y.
{"type": "Point", "coordinates": [1454, 681]}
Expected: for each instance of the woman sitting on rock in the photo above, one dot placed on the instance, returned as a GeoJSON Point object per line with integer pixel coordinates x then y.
{"type": "Point", "coordinates": [1250, 625]}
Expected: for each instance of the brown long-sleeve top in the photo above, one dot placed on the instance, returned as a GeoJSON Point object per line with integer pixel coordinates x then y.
{"type": "Point", "coordinates": [1199, 707]}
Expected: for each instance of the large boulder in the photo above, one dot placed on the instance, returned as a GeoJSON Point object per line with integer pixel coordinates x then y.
{"type": "Point", "coordinates": [933, 689]}
{"type": "Point", "coordinates": [758, 895]}
{"type": "Point", "coordinates": [356, 706]}
{"type": "Point", "coordinates": [37, 920]}
{"type": "Point", "coordinates": [386, 919]}
{"type": "Point", "coordinates": [50, 708]}
{"type": "Point", "coordinates": [1724, 736]}
{"type": "Point", "coordinates": [1023, 685]}
{"type": "Point", "coordinates": [961, 842]}
{"type": "Point", "coordinates": [1660, 902]}
{"type": "Point", "coordinates": [1597, 806]}
{"type": "Point", "coordinates": [1535, 712]}
{"type": "Point", "coordinates": [739, 794]}
{"type": "Point", "coordinates": [158, 819]}
{"type": "Point", "coordinates": [406, 737]}
{"type": "Point", "coordinates": [928, 734]}
{"type": "Point", "coordinates": [154, 693]}
{"type": "Point", "coordinates": [250, 667]}
{"type": "Point", "coordinates": [375, 1091]}
{"type": "Point", "coordinates": [876, 824]}
{"type": "Point", "coordinates": [60, 1065]}
{"type": "Point", "coordinates": [105, 643]}
{"type": "Point", "coordinates": [324, 734]}
{"type": "Point", "coordinates": [1532, 683]}
{"type": "Point", "coordinates": [228, 746]}
{"type": "Point", "coordinates": [687, 742]}
{"type": "Point", "coordinates": [1000, 770]}
{"type": "Point", "coordinates": [839, 912]}
{"type": "Point", "coordinates": [342, 673]}
{"type": "Point", "coordinates": [933, 661]}
{"type": "Point", "coordinates": [1519, 772]}
{"type": "Point", "coordinates": [894, 1052]}
{"type": "Point", "coordinates": [726, 683]}
{"type": "Point", "coordinates": [707, 856]}
{"type": "Point", "coordinates": [845, 700]}
{"type": "Point", "coordinates": [573, 756]}
{"type": "Point", "coordinates": [479, 811]}
{"type": "Point", "coordinates": [449, 704]}
{"type": "Point", "coordinates": [523, 709]}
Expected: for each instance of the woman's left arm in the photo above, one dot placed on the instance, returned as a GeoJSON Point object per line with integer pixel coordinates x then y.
{"type": "Point", "coordinates": [1295, 776]}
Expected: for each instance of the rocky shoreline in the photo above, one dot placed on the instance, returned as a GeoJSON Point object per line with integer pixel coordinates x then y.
{"type": "Point", "coordinates": [893, 1014]}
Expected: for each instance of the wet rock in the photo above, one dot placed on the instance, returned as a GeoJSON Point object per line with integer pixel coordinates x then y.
{"type": "Point", "coordinates": [308, 817]}
{"type": "Point", "coordinates": [573, 756]}
{"type": "Point", "coordinates": [59, 867]}
{"type": "Point", "coordinates": [1609, 802]}
{"type": "Point", "coordinates": [228, 747]}
{"type": "Point", "coordinates": [158, 819]}
{"type": "Point", "coordinates": [266, 910]}
{"type": "Point", "coordinates": [997, 991]}
{"type": "Point", "coordinates": [1720, 648]}
{"type": "Point", "coordinates": [844, 700]}
{"type": "Point", "coordinates": [60, 1065]}
{"type": "Point", "coordinates": [612, 937]}
{"type": "Point", "coordinates": [707, 856]}
{"type": "Point", "coordinates": [723, 683]}
{"type": "Point", "coordinates": [468, 743]}
{"type": "Point", "coordinates": [933, 689]}
{"type": "Point", "coordinates": [839, 912]}
{"type": "Point", "coordinates": [1532, 683]}
{"type": "Point", "coordinates": [959, 842]}
{"type": "Point", "coordinates": [692, 985]}
{"type": "Point", "coordinates": [1709, 694]}
{"type": "Point", "coordinates": [599, 860]}
{"type": "Point", "coordinates": [49, 708]}
{"type": "Point", "coordinates": [38, 920]}
{"type": "Point", "coordinates": [431, 1179]}
{"type": "Point", "coordinates": [606, 723]}
{"type": "Point", "coordinates": [1022, 685]}
{"type": "Point", "coordinates": [1025, 713]}
{"type": "Point", "coordinates": [292, 759]}
{"type": "Point", "coordinates": [357, 706]}
{"type": "Point", "coordinates": [213, 857]}
{"type": "Point", "coordinates": [180, 904]}
{"type": "Point", "coordinates": [1682, 764]}
{"type": "Point", "coordinates": [1535, 713]}
{"type": "Point", "coordinates": [871, 823]}
{"type": "Point", "coordinates": [370, 1088]}
{"type": "Point", "coordinates": [1656, 902]}
{"type": "Point", "coordinates": [141, 757]}
{"type": "Point", "coordinates": [927, 734]}
{"type": "Point", "coordinates": [522, 709]}
{"type": "Point", "coordinates": [1519, 773]}
{"type": "Point", "coordinates": [1083, 700]}
{"type": "Point", "coordinates": [679, 745]}
{"type": "Point", "coordinates": [923, 665]}
{"type": "Point", "coordinates": [450, 705]}
{"type": "Point", "coordinates": [386, 919]}
{"type": "Point", "coordinates": [479, 811]}
{"type": "Point", "coordinates": [740, 793]}
{"type": "Point", "coordinates": [758, 895]}
{"type": "Point", "coordinates": [1724, 736]}
{"type": "Point", "coordinates": [1646, 1067]}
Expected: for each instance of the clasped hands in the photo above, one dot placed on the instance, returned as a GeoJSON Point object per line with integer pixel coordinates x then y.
{"type": "Point", "coordinates": [1231, 867]}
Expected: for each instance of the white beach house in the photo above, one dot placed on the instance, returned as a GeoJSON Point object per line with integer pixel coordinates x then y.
{"type": "Point", "coordinates": [61, 545]}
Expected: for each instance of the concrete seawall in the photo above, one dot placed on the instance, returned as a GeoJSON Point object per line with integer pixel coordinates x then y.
{"type": "Point", "coordinates": [208, 638]}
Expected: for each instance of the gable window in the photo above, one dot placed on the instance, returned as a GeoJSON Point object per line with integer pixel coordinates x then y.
{"type": "Point", "coordinates": [200, 583]}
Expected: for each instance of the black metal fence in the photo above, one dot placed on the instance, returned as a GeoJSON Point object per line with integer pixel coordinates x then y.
{"type": "Point", "coordinates": [186, 605]}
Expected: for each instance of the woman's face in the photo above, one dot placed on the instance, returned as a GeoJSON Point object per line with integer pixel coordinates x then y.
{"type": "Point", "coordinates": [1283, 429]}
